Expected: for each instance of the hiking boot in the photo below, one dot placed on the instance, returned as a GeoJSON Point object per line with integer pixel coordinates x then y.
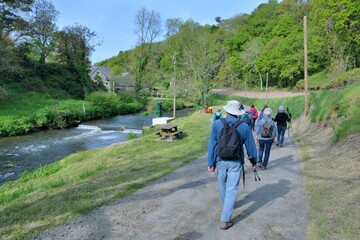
{"type": "Point", "coordinates": [225, 225]}
{"type": "Point", "coordinates": [260, 165]}
{"type": "Point", "coordinates": [277, 144]}
{"type": "Point", "coordinates": [281, 145]}
{"type": "Point", "coordinates": [263, 168]}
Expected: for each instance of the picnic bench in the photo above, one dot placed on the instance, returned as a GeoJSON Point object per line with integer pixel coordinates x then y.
{"type": "Point", "coordinates": [168, 131]}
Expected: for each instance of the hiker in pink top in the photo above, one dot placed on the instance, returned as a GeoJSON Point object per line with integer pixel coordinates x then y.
{"type": "Point", "coordinates": [254, 112]}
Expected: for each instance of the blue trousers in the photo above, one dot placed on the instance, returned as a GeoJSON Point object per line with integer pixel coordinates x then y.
{"type": "Point", "coordinates": [228, 175]}
{"type": "Point", "coordinates": [264, 145]}
{"type": "Point", "coordinates": [281, 134]}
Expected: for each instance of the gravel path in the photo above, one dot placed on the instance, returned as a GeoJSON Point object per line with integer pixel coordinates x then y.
{"type": "Point", "coordinates": [186, 205]}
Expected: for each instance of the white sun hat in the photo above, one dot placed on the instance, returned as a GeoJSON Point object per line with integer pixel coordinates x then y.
{"type": "Point", "coordinates": [267, 111]}
{"type": "Point", "coordinates": [233, 107]}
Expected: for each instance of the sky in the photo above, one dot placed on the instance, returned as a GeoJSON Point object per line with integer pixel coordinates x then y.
{"type": "Point", "coordinates": [113, 20]}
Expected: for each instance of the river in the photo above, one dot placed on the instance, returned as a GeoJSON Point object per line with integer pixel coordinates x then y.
{"type": "Point", "coordinates": [29, 152]}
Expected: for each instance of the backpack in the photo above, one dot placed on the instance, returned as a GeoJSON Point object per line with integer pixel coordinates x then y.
{"type": "Point", "coordinates": [266, 130]}
{"type": "Point", "coordinates": [247, 118]}
{"type": "Point", "coordinates": [228, 144]}
{"type": "Point", "coordinates": [217, 116]}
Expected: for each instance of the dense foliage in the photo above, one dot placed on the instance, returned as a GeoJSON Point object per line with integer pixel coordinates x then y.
{"type": "Point", "coordinates": [248, 46]}
{"type": "Point", "coordinates": [36, 56]}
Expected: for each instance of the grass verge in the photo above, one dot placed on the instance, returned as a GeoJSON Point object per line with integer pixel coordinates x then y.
{"type": "Point", "coordinates": [83, 181]}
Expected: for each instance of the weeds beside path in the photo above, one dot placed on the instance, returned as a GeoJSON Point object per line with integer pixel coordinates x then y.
{"type": "Point", "coordinates": [185, 205]}
{"type": "Point", "coordinates": [253, 94]}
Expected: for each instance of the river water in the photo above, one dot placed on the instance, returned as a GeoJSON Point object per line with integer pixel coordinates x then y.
{"type": "Point", "coordinates": [32, 151]}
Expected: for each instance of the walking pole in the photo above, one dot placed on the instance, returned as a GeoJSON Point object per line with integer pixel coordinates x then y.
{"type": "Point", "coordinates": [256, 175]}
{"type": "Point", "coordinates": [287, 110]}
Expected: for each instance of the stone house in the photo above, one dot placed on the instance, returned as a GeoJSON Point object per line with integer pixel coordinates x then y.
{"type": "Point", "coordinates": [98, 73]}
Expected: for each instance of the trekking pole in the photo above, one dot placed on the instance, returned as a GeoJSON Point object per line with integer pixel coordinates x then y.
{"type": "Point", "coordinates": [256, 175]}
{"type": "Point", "coordinates": [289, 128]}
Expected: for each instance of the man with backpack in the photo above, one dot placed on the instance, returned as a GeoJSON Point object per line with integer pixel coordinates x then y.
{"type": "Point", "coordinates": [281, 118]}
{"type": "Point", "coordinates": [265, 135]}
{"type": "Point", "coordinates": [226, 156]}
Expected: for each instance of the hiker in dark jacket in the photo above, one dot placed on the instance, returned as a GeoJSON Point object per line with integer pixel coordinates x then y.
{"type": "Point", "coordinates": [281, 118]}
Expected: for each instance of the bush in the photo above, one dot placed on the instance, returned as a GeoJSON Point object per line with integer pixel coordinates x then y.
{"type": "Point", "coordinates": [109, 102]}
{"type": "Point", "coordinates": [16, 127]}
{"type": "Point", "coordinates": [126, 97]}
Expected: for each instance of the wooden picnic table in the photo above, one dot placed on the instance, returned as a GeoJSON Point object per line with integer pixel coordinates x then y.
{"type": "Point", "coordinates": [169, 131]}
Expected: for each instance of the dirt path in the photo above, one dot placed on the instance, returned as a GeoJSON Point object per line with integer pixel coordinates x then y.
{"type": "Point", "coordinates": [251, 94]}
{"type": "Point", "coordinates": [185, 205]}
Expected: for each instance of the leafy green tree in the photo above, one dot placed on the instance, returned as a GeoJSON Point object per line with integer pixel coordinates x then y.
{"type": "Point", "coordinates": [42, 28]}
{"type": "Point", "coordinates": [249, 56]}
{"type": "Point", "coordinates": [337, 24]}
{"type": "Point", "coordinates": [11, 16]}
{"type": "Point", "coordinates": [172, 26]}
{"type": "Point", "coordinates": [75, 45]}
{"type": "Point", "coordinates": [203, 55]}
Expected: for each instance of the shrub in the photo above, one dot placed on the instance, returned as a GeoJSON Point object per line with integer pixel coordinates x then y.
{"type": "Point", "coordinates": [108, 102]}
{"type": "Point", "coordinates": [126, 97]}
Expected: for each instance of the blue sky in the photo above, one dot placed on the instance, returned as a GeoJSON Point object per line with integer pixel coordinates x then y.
{"type": "Point", "coordinates": [113, 20]}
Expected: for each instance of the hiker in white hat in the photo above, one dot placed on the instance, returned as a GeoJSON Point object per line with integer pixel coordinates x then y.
{"type": "Point", "coordinates": [229, 169]}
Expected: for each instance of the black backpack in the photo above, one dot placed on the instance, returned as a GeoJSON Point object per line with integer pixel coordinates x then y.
{"type": "Point", "coordinates": [228, 144]}
{"type": "Point", "coordinates": [217, 116]}
{"type": "Point", "coordinates": [266, 130]}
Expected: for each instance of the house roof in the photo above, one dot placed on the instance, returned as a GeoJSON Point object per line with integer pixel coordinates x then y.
{"type": "Point", "coordinates": [104, 70]}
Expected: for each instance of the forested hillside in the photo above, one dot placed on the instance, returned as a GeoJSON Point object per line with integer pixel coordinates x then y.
{"type": "Point", "coordinates": [246, 48]}
{"type": "Point", "coordinates": [267, 44]}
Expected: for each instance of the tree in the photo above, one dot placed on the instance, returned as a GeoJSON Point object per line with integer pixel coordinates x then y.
{"type": "Point", "coordinates": [203, 54]}
{"type": "Point", "coordinates": [11, 18]}
{"type": "Point", "coordinates": [336, 24]}
{"type": "Point", "coordinates": [75, 45]}
{"type": "Point", "coordinates": [43, 28]}
{"type": "Point", "coordinates": [249, 56]}
{"type": "Point", "coordinates": [172, 26]}
{"type": "Point", "coordinates": [148, 28]}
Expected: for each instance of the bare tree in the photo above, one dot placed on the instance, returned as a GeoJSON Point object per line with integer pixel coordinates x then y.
{"type": "Point", "coordinates": [148, 28]}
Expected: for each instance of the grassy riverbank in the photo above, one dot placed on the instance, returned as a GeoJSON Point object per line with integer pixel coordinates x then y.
{"type": "Point", "coordinates": [86, 180]}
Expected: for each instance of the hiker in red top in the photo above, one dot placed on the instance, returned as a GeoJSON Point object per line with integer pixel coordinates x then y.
{"type": "Point", "coordinates": [254, 112]}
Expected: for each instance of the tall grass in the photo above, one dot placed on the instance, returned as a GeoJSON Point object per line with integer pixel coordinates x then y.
{"type": "Point", "coordinates": [340, 104]}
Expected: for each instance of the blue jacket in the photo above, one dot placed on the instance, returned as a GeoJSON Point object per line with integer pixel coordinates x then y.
{"type": "Point", "coordinates": [259, 124]}
{"type": "Point", "coordinates": [246, 138]}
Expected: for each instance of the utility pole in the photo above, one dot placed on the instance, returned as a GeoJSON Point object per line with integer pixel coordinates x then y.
{"type": "Point", "coordinates": [267, 84]}
{"type": "Point", "coordinates": [306, 107]}
{"type": "Point", "coordinates": [174, 61]}
{"type": "Point", "coordinates": [245, 88]}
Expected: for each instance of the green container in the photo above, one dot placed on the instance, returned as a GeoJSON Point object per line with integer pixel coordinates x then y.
{"type": "Point", "coordinates": [158, 109]}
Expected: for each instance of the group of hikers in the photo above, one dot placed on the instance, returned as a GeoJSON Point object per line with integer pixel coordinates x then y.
{"type": "Point", "coordinates": [229, 134]}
